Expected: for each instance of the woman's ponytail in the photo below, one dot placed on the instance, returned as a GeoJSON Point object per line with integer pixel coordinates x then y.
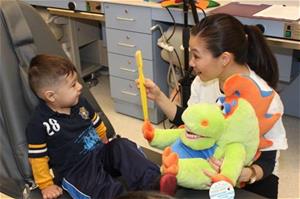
{"type": "Point", "coordinates": [223, 32]}
{"type": "Point", "coordinates": [260, 57]}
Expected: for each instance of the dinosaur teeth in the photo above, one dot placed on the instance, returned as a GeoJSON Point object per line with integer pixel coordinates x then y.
{"type": "Point", "coordinates": [191, 135]}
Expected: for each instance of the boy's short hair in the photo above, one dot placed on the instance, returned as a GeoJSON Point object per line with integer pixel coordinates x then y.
{"type": "Point", "coordinates": [46, 70]}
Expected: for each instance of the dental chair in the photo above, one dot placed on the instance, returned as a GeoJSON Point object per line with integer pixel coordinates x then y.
{"type": "Point", "coordinates": [24, 34]}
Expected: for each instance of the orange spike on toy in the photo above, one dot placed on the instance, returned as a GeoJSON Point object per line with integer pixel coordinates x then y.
{"type": "Point", "coordinates": [169, 3]}
{"type": "Point", "coordinates": [206, 4]}
{"type": "Point", "coordinates": [199, 4]}
{"type": "Point", "coordinates": [202, 4]}
{"type": "Point", "coordinates": [260, 100]}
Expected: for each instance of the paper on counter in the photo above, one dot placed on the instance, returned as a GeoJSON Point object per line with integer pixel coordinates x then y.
{"type": "Point", "coordinates": [280, 12]}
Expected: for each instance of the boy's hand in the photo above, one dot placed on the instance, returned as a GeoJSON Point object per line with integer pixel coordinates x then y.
{"type": "Point", "coordinates": [51, 192]}
{"type": "Point", "coordinates": [104, 139]}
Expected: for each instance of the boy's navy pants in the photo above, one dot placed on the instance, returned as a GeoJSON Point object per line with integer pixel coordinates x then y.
{"type": "Point", "coordinates": [93, 176]}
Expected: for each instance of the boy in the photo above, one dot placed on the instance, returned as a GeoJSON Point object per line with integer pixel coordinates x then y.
{"type": "Point", "coordinates": [65, 133]}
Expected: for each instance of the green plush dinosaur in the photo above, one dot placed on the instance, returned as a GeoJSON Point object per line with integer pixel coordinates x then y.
{"type": "Point", "coordinates": [208, 132]}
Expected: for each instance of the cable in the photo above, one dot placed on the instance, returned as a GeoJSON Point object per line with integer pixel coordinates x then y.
{"type": "Point", "coordinates": [204, 14]}
{"type": "Point", "coordinates": [167, 40]}
{"type": "Point", "coordinates": [173, 98]}
{"type": "Point", "coordinates": [158, 26]}
{"type": "Point", "coordinates": [174, 26]}
{"type": "Point", "coordinates": [177, 56]}
{"type": "Point", "coordinates": [188, 74]}
{"type": "Point", "coordinates": [164, 124]}
{"type": "Point", "coordinates": [179, 62]}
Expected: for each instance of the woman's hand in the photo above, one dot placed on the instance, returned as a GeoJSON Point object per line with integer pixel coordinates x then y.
{"type": "Point", "coordinates": [152, 90]}
{"type": "Point", "coordinates": [254, 171]}
{"type": "Point", "coordinates": [215, 164]}
{"type": "Point", "coordinates": [154, 93]}
{"type": "Point", "coordinates": [52, 192]}
{"type": "Point", "coordinates": [245, 175]}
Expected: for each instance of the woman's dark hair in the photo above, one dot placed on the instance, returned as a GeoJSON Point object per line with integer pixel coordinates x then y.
{"type": "Point", "coordinates": [223, 32]}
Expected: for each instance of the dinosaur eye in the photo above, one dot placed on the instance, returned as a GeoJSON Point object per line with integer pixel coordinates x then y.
{"type": "Point", "coordinates": [226, 108]}
{"type": "Point", "coordinates": [222, 107]}
{"type": "Point", "coordinates": [220, 101]}
{"type": "Point", "coordinates": [204, 123]}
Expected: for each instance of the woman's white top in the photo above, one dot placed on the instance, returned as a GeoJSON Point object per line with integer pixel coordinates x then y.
{"type": "Point", "coordinates": [209, 92]}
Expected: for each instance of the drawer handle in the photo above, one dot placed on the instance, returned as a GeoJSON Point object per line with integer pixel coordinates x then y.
{"type": "Point", "coordinates": [125, 19]}
{"type": "Point", "coordinates": [128, 93]}
{"type": "Point", "coordinates": [126, 45]}
{"type": "Point", "coordinates": [128, 70]}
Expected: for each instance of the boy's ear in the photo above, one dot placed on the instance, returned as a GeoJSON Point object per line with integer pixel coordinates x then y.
{"type": "Point", "coordinates": [226, 58]}
{"type": "Point", "coordinates": [49, 95]}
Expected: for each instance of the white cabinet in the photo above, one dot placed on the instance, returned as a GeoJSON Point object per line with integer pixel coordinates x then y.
{"type": "Point", "coordinates": [128, 30]}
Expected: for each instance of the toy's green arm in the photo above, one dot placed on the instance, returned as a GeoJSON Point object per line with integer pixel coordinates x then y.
{"type": "Point", "coordinates": [165, 137]}
{"type": "Point", "coordinates": [234, 158]}
{"type": "Point", "coordinates": [190, 173]}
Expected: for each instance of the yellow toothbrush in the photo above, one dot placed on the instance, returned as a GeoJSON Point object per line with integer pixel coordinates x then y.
{"type": "Point", "coordinates": [139, 62]}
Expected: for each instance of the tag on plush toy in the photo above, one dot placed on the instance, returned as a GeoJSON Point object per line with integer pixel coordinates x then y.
{"type": "Point", "coordinates": [221, 190]}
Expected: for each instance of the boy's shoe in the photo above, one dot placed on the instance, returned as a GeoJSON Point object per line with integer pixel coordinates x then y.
{"type": "Point", "coordinates": [168, 184]}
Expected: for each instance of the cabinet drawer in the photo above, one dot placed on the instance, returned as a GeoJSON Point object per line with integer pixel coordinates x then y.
{"type": "Point", "coordinates": [126, 90]}
{"type": "Point", "coordinates": [126, 43]}
{"type": "Point", "coordinates": [125, 67]}
{"type": "Point", "coordinates": [125, 17]}
{"type": "Point", "coordinates": [135, 110]}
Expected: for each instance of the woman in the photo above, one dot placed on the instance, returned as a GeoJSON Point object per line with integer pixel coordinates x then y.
{"type": "Point", "coordinates": [220, 47]}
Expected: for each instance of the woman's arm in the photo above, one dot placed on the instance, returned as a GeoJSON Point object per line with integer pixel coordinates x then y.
{"type": "Point", "coordinates": [168, 107]}
{"type": "Point", "coordinates": [263, 167]}
{"type": "Point", "coordinates": [177, 119]}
